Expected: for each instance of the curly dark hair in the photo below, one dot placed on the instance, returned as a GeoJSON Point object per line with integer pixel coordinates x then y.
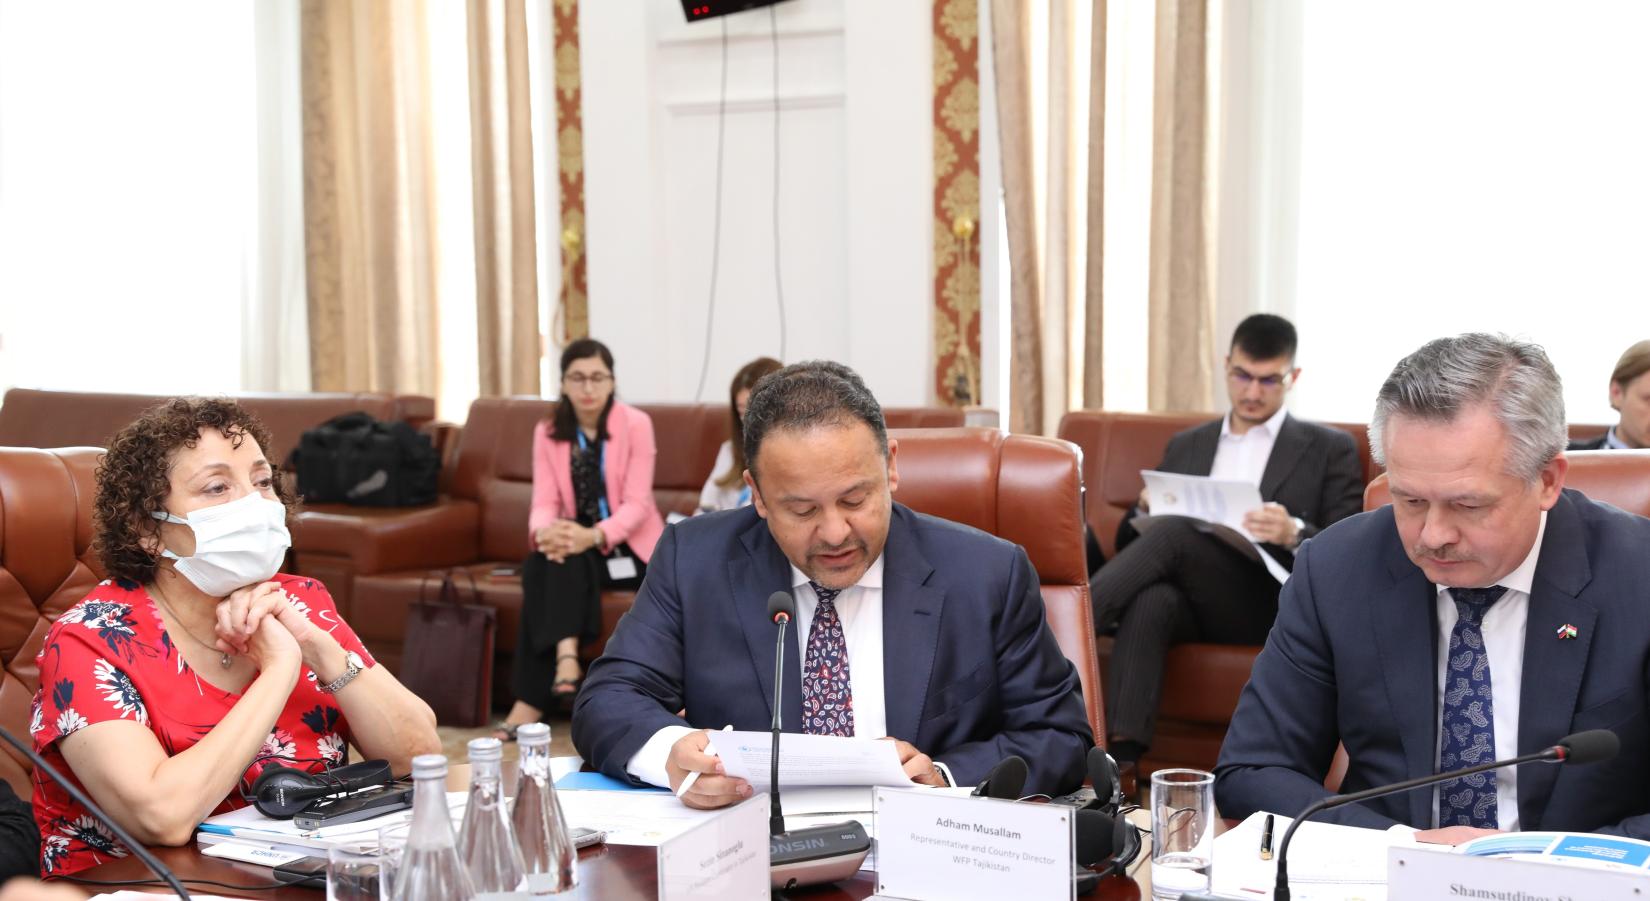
{"type": "Point", "coordinates": [134, 476]}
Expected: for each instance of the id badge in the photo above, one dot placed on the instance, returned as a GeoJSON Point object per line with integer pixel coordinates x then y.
{"type": "Point", "coordinates": [621, 568]}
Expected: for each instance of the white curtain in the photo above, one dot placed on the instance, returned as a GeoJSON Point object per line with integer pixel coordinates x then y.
{"type": "Point", "coordinates": [274, 305]}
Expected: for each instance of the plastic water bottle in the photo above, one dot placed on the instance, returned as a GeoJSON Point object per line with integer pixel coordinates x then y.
{"type": "Point", "coordinates": [430, 866]}
{"type": "Point", "coordinates": [486, 843]}
{"type": "Point", "coordinates": [546, 846]}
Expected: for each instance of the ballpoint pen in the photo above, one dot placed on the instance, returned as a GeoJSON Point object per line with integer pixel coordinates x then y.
{"type": "Point", "coordinates": [694, 776]}
{"type": "Point", "coordinates": [1266, 839]}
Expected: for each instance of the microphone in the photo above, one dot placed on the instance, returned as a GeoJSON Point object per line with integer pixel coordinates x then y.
{"type": "Point", "coordinates": [817, 854]}
{"type": "Point", "coordinates": [781, 607]}
{"type": "Point", "coordinates": [1591, 746]}
{"type": "Point", "coordinates": [132, 844]}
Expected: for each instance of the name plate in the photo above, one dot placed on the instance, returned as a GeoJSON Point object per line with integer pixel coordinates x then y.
{"type": "Point", "coordinates": [721, 858]}
{"type": "Point", "coordinates": [1444, 874]}
{"type": "Point", "coordinates": [933, 846]}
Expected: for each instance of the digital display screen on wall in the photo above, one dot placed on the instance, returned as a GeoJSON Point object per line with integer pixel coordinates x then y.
{"type": "Point", "coordinates": [710, 9]}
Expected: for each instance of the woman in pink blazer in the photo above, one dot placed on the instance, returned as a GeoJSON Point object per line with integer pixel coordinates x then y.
{"type": "Point", "coordinates": [593, 525]}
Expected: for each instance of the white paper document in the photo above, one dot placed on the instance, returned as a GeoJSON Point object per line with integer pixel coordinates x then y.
{"type": "Point", "coordinates": [1219, 504]}
{"type": "Point", "coordinates": [631, 817]}
{"type": "Point", "coordinates": [1326, 861]}
{"type": "Point", "coordinates": [810, 760]}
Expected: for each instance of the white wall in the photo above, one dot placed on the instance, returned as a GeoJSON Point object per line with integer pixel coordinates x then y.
{"type": "Point", "coordinates": [1495, 180]}
{"type": "Point", "coordinates": [128, 194]}
{"type": "Point", "coordinates": [855, 82]}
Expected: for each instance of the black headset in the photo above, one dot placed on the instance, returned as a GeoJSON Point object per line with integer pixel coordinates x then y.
{"type": "Point", "coordinates": [1104, 836]}
{"type": "Point", "coordinates": [1126, 842]}
{"type": "Point", "coordinates": [282, 791]}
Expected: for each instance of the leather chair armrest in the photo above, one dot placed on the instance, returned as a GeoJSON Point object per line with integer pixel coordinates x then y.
{"type": "Point", "coordinates": [388, 539]}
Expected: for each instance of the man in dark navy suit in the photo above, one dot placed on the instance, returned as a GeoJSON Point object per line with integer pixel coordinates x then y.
{"type": "Point", "coordinates": [1486, 613]}
{"type": "Point", "coordinates": [908, 627]}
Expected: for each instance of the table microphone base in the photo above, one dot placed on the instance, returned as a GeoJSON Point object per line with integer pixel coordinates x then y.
{"type": "Point", "coordinates": [817, 855]}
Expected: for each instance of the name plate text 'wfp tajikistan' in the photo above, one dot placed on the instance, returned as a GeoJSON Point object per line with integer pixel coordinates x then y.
{"type": "Point", "coordinates": [938, 847]}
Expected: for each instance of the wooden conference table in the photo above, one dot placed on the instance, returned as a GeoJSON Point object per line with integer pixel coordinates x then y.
{"type": "Point", "coordinates": [607, 872]}
{"type": "Point", "coordinates": [618, 872]}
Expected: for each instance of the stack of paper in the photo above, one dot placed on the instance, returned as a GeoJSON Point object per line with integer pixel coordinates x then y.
{"type": "Point", "coordinates": [1326, 861]}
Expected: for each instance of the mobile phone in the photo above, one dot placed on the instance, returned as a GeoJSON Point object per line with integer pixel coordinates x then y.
{"type": "Point", "coordinates": [584, 838]}
{"type": "Point", "coordinates": [310, 871]}
{"type": "Point", "coordinates": [361, 805]}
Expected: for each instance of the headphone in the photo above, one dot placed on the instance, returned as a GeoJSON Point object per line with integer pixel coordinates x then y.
{"type": "Point", "coordinates": [1107, 816]}
{"type": "Point", "coordinates": [1104, 836]}
{"type": "Point", "coordinates": [281, 792]}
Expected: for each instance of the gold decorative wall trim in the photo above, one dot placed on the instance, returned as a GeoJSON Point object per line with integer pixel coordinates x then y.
{"type": "Point", "coordinates": [574, 320]}
{"type": "Point", "coordinates": [956, 202]}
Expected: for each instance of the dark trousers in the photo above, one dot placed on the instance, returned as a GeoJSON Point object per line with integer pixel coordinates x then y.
{"type": "Point", "coordinates": [1173, 584]}
{"type": "Point", "coordinates": [559, 600]}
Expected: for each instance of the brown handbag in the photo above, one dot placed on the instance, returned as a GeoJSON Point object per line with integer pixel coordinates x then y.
{"type": "Point", "coordinates": [448, 653]}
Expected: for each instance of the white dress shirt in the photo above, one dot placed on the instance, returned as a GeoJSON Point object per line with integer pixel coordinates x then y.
{"type": "Point", "coordinates": [1614, 442]}
{"type": "Point", "coordinates": [1503, 629]}
{"type": "Point", "coordinates": [860, 608]}
{"type": "Point", "coordinates": [1242, 458]}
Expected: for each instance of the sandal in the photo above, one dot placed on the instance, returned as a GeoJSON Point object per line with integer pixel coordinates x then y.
{"type": "Point", "coordinates": [505, 731]}
{"type": "Point", "coordinates": [567, 688]}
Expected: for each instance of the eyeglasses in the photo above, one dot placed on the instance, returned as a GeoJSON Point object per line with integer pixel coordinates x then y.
{"type": "Point", "coordinates": [1244, 377]}
{"type": "Point", "coordinates": [596, 380]}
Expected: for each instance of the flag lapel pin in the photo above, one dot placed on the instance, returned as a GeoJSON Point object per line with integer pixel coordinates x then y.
{"type": "Point", "coordinates": [1568, 631]}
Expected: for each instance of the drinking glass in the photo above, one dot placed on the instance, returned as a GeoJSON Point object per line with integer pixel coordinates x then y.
{"type": "Point", "coordinates": [392, 841]}
{"type": "Point", "coordinates": [353, 875]}
{"type": "Point", "coordinates": [1183, 832]}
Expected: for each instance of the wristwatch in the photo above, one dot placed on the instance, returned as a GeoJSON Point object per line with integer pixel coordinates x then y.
{"type": "Point", "coordinates": [353, 665]}
{"type": "Point", "coordinates": [1300, 532]}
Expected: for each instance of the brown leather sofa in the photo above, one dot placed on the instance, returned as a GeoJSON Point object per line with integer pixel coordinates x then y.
{"type": "Point", "coordinates": [33, 418]}
{"type": "Point", "coordinates": [378, 562]}
{"type": "Point", "coordinates": [46, 567]}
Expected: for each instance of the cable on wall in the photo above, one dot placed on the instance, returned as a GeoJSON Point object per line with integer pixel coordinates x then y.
{"type": "Point", "coordinates": [716, 226]}
{"type": "Point", "coordinates": [778, 282]}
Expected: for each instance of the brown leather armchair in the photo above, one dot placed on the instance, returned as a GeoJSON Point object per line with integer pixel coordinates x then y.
{"type": "Point", "coordinates": [46, 567]}
{"type": "Point", "coordinates": [1620, 478]}
{"type": "Point", "coordinates": [1201, 682]}
{"type": "Point", "coordinates": [1028, 490]}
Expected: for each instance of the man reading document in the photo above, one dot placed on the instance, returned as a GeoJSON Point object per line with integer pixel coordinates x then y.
{"type": "Point", "coordinates": [908, 627]}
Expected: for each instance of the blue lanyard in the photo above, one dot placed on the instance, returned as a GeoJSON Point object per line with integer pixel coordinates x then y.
{"type": "Point", "coordinates": [744, 496]}
{"type": "Point", "coordinates": [601, 466]}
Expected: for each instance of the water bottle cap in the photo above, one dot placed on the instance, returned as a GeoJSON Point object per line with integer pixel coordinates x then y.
{"type": "Point", "coordinates": [533, 734]}
{"type": "Point", "coordinates": [429, 766]}
{"type": "Point", "coordinates": [483, 750]}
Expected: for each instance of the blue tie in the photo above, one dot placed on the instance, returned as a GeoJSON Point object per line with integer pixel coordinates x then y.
{"type": "Point", "coordinates": [1469, 715]}
{"type": "Point", "coordinates": [827, 693]}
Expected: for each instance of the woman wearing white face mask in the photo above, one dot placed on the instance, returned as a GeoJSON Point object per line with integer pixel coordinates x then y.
{"type": "Point", "coordinates": [174, 683]}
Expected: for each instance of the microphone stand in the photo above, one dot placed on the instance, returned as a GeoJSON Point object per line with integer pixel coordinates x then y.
{"type": "Point", "coordinates": [776, 817]}
{"type": "Point", "coordinates": [132, 844]}
{"type": "Point", "coordinates": [1280, 892]}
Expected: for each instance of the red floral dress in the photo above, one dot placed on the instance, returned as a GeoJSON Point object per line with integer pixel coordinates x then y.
{"type": "Point", "coordinates": [109, 658]}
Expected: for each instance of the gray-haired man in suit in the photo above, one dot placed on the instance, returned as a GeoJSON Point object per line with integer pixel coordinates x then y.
{"type": "Point", "coordinates": [1486, 613]}
{"type": "Point", "coordinates": [1175, 583]}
